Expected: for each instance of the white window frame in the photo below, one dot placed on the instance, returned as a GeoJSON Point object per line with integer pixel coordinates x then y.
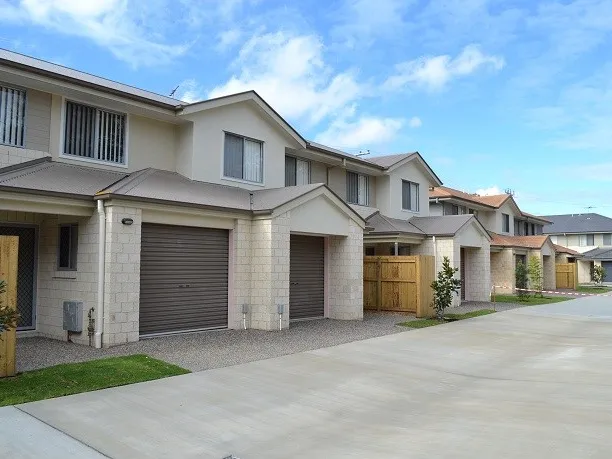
{"type": "Point", "coordinates": [74, 230]}
{"type": "Point", "coordinates": [25, 115]}
{"type": "Point", "coordinates": [241, 180]}
{"type": "Point", "coordinates": [126, 140]}
{"type": "Point", "coordinates": [609, 237]}
{"type": "Point", "coordinates": [418, 192]}
{"type": "Point", "coordinates": [366, 179]}
{"type": "Point", "coordinates": [582, 240]}
{"type": "Point", "coordinates": [504, 228]}
{"type": "Point", "coordinates": [296, 165]}
{"type": "Point", "coordinates": [592, 236]}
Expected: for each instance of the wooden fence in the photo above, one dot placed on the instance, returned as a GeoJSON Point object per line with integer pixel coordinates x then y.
{"type": "Point", "coordinates": [8, 273]}
{"type": "Point", "coordinates": [398, 283]}
{"type": "Point", "coordinates": [567, 275]}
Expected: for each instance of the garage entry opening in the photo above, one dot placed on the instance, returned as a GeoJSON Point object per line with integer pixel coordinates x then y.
{"type": "Point", "coordinates": [306, 277]}
{"type": "Point", "coordinates": [183, 279]}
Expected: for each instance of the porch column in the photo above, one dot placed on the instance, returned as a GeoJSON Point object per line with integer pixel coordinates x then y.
{"type": "Point", "coordinates": [478, 273]}
{"type": "Point", "coordinates": [345, 284]}
{"type": "Point", "coordinates": [122, 276]}
{"type": "Point", "coordinates": [270, 243]}
{"type": "Point", "coordinates": [503, 271]}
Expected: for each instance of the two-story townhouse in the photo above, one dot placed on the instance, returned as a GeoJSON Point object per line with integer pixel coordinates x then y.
{"type": "Point", "coordinates": [516, 235]}
{"type": "Point", "coordinates": [154, 216]}
{"type": "Point", "coordinates": [590, 235]}
{"type": "Point", "coordinates": [392, 195]}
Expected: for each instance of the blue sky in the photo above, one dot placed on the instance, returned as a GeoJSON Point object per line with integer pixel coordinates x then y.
{"type": "Point", "coordinates": [494, 94]}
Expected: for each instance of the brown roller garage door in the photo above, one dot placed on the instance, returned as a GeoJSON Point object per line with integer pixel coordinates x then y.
{"type": "Point", "coordinates": [183, 278]}
{"type": "Point", "coordinates": [306, 277]}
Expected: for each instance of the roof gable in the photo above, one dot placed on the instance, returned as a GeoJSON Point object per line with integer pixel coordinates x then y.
{"type": "Point", "coordinates": [248, 96]}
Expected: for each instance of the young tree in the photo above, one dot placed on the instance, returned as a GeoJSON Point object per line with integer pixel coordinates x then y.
{"type": "Point", "coordinates": [8, 316]}
{"type": "Point", "coordinates": [444, 287]}
{"type": "Point", "coordinates": [598, 274]}
{"type": "Point", "coordinates": [522, 281]}
{"type": "Point", "coordinates": [535, 274]}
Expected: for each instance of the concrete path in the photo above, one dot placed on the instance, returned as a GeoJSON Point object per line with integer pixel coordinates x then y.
{"type": "Point", "coordinates": [534, 382]}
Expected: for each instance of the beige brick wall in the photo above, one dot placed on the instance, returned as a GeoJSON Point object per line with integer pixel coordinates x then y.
{"type": "Point", "coordinates": [550, 275]}
{"type": "Point", "coordinates": [55, 286]}
{"type": "Point", "coordinates": [122, 276]}
{"type": "Point", "coordinates": [12, 155]}
{"type": "Point", "coordinates": [241, 242]}
{"type": "Point", "coordinates": [478, 273]}
{"type": "Point", "coordinates": [503, 271]}
{"type": "Point", "coordinates": [445, 247]}
{"type": "Point", "coordinates": [345, 284]}
{"type": "Point", "coordinates": [270, 241]}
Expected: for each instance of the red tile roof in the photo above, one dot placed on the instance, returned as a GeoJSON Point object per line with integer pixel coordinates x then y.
{"type": "Point", "coordinates": [446, 192]}
{"type": "Point", "coordinates": [527, 242]}
{"type": "Point", "coordinates": [561, 249]}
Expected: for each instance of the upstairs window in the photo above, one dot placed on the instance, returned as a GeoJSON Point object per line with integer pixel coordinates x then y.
{"type": "Point", "coordinates": [93, 133]}
{"type": "Point", "coordinates": [590, 239]}
{"type": "Point", "coordinates": [297, 171]}
{"type": "Point", "coordinates": [243, 158]}
{"type": "Point", "coordinates": [357, 189]}
{"type": "Point", "coordinates": [12, 116]}
{"type": "Point", "coordinates": [410, 196]}
{"type": "Point", "coordinates": [582, 240]}
{"type": "Point", "coordinates": [67, 247]}
{"type": "Point", "coordinates": [505, 223]}
{"type": "Point", "coordinates": [607, 239]}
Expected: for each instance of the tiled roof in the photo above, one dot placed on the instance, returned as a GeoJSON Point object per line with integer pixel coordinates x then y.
{"type": "Point", "coordinates": [382, 224]}
{"type": "Point", "coordinates": [447, 225]}
{"type": "Point", "coordinates": [600, 253]}
{"type": "Point", "coordinates": [527, 242]}
{"type": "Point", "coordinates": [561, 249]}
{"type": "Point", "coordinates": [578, 223]}
{"type": "Point", "coordinates": [49, 177]}
{"type": "Point", "coordinates": [387, 161]}
{"type": "Point", "coordinates": [446, 192]}
{"type": "Point", "coordinates": [364, 211]}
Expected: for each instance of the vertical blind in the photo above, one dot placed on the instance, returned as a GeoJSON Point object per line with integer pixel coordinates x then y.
{"type": "Point", "coordinates": [12, 116]}
{"type": "Point", "coordinates": [297, 171]}
{"type": "Point", "coordinates": [410, 196]}
{"type": "Point", "coordinates": [242, 158]}
{"type": "Point", "coordinates": [357, 188]}
{"type": "Point", "coordinates": [94, 133]}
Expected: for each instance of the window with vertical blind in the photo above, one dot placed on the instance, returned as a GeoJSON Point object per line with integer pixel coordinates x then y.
{"type": "Point", "coordinates": [505, 223]}
{"type": "Point", "coordinates": [94, 133]}
{"type": "Point", "coordinates": [357, 189]}
{"type": "Point", "coordinates": [12, 116]}
{"type": "Point", "coordinates": [297, 171]}
{"type": "Point", "coordinates": [243, 158]}
{"type": "Point", "coordinates": [67, 247]}
{"type": "Point", "coordinates": [410, 196]}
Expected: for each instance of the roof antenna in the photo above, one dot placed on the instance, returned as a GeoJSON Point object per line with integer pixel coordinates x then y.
{"type": "Point", "coordinates": [173, 91]}
{"type": "Point", "coordinates": [362, 153]}
{"type": "Point", "coordinates": [509, 191]}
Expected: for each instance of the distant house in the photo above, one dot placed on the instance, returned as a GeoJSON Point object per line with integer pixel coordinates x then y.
{"type": "Point", "coordinates": [589, 234]}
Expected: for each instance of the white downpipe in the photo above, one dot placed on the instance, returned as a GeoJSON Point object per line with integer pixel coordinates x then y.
{"type": "Point", "coordinates": [435, 247]}
{"type": "Point", "coordinates": [101, 265]}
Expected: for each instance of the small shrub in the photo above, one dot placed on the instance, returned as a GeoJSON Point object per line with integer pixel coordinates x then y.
{"type": "Point", "coordinates": [535, 274]}
{"type": "Point", "coordinates": [444, 287]}
{"type": "Point", "coordinates": [598, 274]}
{"type": "Point", "coordinates": [522, 281]}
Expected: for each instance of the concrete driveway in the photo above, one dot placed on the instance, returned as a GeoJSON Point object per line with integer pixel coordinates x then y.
{"type": "Point", "coordinates": [529, 383]}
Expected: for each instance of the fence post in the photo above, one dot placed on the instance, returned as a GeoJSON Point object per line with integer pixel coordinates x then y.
{"type": "Point", "coordinates": [8, 272]}
{"type": "Point", "coordinates": [379, 284]}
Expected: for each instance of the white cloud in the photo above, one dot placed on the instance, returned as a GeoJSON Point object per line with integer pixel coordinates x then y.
{"type": "Point", "coordinates": [190, 91]}
{"type": "Point", "coordinates": [491, 191]}
{"type": "Point", "coordinates": [360, 21]}
{"type": "Point", "coordinates": [361, 133]}
{"type": "Point", "coordinates": [228, 38]}
{"type": "Point", "coordinates": [415, 122]}
{"type": "Point", "coordinates": [435, 72]}
{"type": "Point", "coordinates": [289, 72]}
{"type": "Point", "coordinates": [132, 31]}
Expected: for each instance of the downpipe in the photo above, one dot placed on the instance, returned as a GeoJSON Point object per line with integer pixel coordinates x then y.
{"type": "Point", "coordinates": [101, 265]}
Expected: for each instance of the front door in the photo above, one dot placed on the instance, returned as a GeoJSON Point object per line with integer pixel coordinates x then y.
{"type": "Point", "coordinates": [26, 273]}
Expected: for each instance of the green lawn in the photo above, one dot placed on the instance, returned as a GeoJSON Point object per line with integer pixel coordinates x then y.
{"type": "Point", "coordinates": [424, 323]}
{"type": "Point", "coordinates": [74, 378]}
{"type": "Point", "coordinates": [531, 300]}
{"type": "Point", "coordinates": [593, 289]}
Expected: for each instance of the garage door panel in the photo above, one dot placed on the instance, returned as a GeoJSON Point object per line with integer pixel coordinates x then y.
{"type": "Point", "coordinates": [607, 265]}
{"type": "Point", "coordinates": [307, 277]}
{"type": "Point", "coordinates": [184, 278]}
